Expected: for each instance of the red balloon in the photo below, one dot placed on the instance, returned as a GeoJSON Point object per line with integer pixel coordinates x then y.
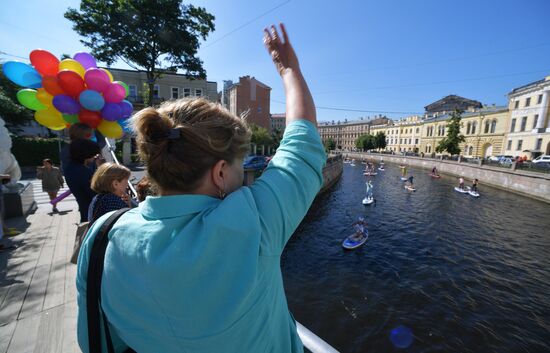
{"type": "Point", "coordinates": [44, 62]}
{"type": "Point", "coordinates": [71, 82]}
{"type": "Point", "coordinates": [92, 119]}
{"type": "Point", "coordinates": [51, 85]}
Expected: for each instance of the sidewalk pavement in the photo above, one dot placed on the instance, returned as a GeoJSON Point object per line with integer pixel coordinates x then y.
{"type": "Point", "coordinates": [37, 281]}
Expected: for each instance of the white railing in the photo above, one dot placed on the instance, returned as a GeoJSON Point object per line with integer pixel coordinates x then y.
{"type": "Point", "coordinates": [313, 342]}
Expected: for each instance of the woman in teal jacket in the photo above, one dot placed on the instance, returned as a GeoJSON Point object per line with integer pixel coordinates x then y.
{"type": "Point", "coordinates": [197, 268]}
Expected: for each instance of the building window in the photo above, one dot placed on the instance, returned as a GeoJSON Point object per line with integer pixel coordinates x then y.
{"type": "Point", "coordinates": [474, 124]}
{"type": "Point", "coordinates": [155, 91]}
{"type": "Point", "coordinates": [471, 150]}
{"type": "Point", "coordinates": [468, 128]}
{"type": "Point", "coordinates": [523, 123]}
{"type": "Point", "coordinates": [513, 126]}
{"type": "Point", "coordinates": [486, 127]}
{"type": "Point", "coordinates": [527, 101]}
{"type": "Point", "coordinates": [198, 92]}
{"type": "Point", "coordinates": [516, 106]}
{"type": "Point", "coordinates": [132, 91]}
{"type": "Point", "coordinates": [186, 92]}
{"type": "Point", "coordinates": [539, 100]}
{"type": "Point", "coordinates": [509, 145]}
{"type": "Point", "coordinates": [417, 130]}
{"type": "Point", "coordinates": [175, 92]}
{"type": "Point", "coordinates": [538, 145]}
{"type": "Point", "coordinates": [535, 121]}
{"type": "Point", "coordinates": [259, 109]}
{"type": "Point", "coordinates": [493, 126]}
{"type": "Point", "coordinates": [520, 143]}
{"type": "Point", "coordinates": [416, 141]}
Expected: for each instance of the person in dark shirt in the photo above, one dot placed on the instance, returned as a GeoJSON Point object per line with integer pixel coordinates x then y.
{"type": "Point", "coordinates": [79, 176]}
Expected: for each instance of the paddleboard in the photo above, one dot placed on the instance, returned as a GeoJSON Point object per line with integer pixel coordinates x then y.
{"type": "Point", "coordinates": [370, 174]}
{"type": "Point", "coordinates": [350, 244]}
{"type": "Point", "coordinates": [473, 193]}
{"type": "Point", "coordinates": [403, 179]}
{"type": "Point", "coordinates": [381, 169]}
{"type": "Point", "coordinates": [434, 176]}
{"type": "Point", "coordinates": [352, 164]}
{"type": "Point", "coordinates": [463, 191]}
{"type": "Point", "coordinates": [368, 200]}
{"type": "Point", "coordinates": [410, 188]}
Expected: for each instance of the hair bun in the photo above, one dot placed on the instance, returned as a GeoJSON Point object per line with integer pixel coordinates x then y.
{"type": "Point", "coordinates": [150, 125]}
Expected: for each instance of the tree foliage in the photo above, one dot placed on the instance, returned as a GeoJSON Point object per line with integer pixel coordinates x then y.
{"type": "Point", "coordinates": [380, 140]}
{"type": "Point", "coordinates": [11, 111]}
{"type": "Point", "coordinates": [330, 144]}
{"type": "Point", "coordinates": [366, 142]}
{"type": "Point", "coordinates": [153, 35]}
{"type": "Point", "coordinates": [451, 142]}
{"type": "Point", "coordinates": [260, 136]}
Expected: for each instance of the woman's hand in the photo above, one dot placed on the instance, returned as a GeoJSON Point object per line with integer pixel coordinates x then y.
{"type": "Point", "coordinates": [282, 53]}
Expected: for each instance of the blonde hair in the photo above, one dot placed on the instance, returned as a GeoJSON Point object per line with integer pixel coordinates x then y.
{"type": "Point", "coordinates": [102, 181]}
{"type": "Point", "coordinates": [182, 139]}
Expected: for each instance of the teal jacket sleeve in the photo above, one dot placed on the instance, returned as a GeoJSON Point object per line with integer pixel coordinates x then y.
{"type": "Point", "coordinates": [288, 186]}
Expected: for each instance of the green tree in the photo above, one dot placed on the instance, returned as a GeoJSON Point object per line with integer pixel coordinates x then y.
{"type": "Point", "coordinates": [260, 136]}
{"type": "Point", "coordinates": [366, 142]}
{"type": "Point", "coordinates": [153, 35]}
{"type": "Point", "coordinates": [330, 144]}
{"type": "Point", "coordinates": [451, 142]}
{"type": "Point", "coordinates": [276, 137]}
{"type": "Point", "coordinates": [11, 111]}
{"type": "Point", "coordinates": [380, 139]}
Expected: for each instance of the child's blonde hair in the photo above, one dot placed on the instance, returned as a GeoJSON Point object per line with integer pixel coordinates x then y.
{"type": "Point", "coordinates": [102, 181]}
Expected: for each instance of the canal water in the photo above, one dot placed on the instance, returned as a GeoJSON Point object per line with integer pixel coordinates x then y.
{"type": "Point", "coordinates": [463, 274]}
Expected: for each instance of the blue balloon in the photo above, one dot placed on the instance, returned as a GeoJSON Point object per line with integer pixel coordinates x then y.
{"type": "Point", "coordinates": [111, 112]}
{"type": "Point", "coordinates": [125, 124]}
{"type": "Point", "coordinates": [22, 74]}
{"type": "Point", "coordinates": [401, 337]}
{"type": "Point", "coordinates": [91, 100]}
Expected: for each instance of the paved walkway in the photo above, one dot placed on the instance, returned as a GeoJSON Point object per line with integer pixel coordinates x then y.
{"type": "Point", "coordinates": [37, 290]}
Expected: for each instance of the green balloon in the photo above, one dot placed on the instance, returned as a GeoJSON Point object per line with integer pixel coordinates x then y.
{"type": "Point", "coordinates": [125, 87]}
{"type": "Point", "coordinates": [27, 98]}
{"type": "Point", "coordinates": [71, 118]}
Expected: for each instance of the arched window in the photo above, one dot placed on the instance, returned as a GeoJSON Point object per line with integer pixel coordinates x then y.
{"type": "Point", "coordinates": [487, 123]}
{"type": "Point", "coordinates": [471, 150]}
{"type": "Point", "coordinates": [493, 126]}
{"type": "Point", "coordinates": [474, 124]}
{"type": "Point", "coordinates": [468, 126]}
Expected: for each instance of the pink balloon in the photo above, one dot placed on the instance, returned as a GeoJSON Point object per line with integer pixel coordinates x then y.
{"type": "Point", "coordinates": [85, 59]}
{"type": "Point", "coordinates": [114, 93]}
{"type": "Point", "coordinates": [96, 79]}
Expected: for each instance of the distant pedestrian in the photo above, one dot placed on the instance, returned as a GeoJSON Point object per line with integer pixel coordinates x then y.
{"type": "Point", "coordinates": [474, 185]}
{"type": "Point", "coordinates": [110, 181]}
{"type": "Point", "coordinates": [51, 178]}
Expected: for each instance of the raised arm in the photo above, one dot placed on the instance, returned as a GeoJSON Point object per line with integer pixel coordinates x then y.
{"type": "Point", "coordinates": [299, 103]}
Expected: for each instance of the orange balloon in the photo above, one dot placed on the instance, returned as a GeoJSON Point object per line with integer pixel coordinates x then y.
{"type": "Point", "coordinates": [44, 62]}
{"type": "Point", "coordinates": [51, 85]}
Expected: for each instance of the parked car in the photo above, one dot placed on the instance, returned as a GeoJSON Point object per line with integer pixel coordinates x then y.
{"type": "Point", "coordinates": [542, 159]}
{"type": "Point", "coordinates": [506, 161]}
{"type": "Point", "coordinates": [254, 162]}
{"type": "Point", "coordinates": [500, 157]}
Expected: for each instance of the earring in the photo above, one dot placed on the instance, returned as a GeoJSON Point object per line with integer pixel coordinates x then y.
{"type": "Point", "coordinates": [222, 192]}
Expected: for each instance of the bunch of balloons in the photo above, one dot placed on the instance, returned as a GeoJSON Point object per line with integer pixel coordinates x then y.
{"type": "Point", "coordinates": [70, 91]}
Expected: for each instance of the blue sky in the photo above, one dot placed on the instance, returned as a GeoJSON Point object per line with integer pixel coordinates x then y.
{"type": "Point", "coordinates": [390, 57]}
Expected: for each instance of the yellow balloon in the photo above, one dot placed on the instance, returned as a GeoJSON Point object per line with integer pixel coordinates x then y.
{"type": "Point", "coordinates": [44, 97]}
{"type": "Point", "coordinates": [50, 118]}
{"type": "Point", "coordinates": [73, 65]}
{"type": "Point", "coordinates": [108, 74]}
{"type": "Point", "coordinates": [110, 129]}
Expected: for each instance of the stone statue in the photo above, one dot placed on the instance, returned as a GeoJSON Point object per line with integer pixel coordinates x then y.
{"type": "Point", "coordinates": [8, 163]}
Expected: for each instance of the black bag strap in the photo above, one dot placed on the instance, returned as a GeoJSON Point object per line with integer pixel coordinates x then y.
{"type": "Point", "coordinates": [93, 291]}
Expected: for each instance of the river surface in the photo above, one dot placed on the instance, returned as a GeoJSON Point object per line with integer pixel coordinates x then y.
{"type": "Point", "coordinates": [463, 274]}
